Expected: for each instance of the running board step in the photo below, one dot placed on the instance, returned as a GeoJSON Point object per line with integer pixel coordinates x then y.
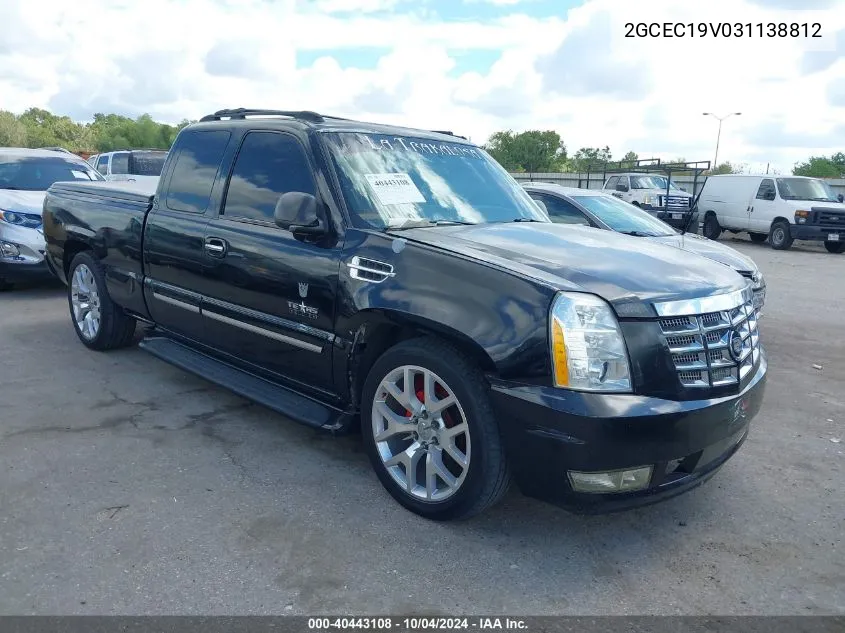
{"type": "Point", "coordinates": [273, 396]}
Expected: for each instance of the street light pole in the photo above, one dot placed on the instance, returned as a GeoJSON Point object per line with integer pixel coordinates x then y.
{"type": "Point", "coordinates": [719, 133]}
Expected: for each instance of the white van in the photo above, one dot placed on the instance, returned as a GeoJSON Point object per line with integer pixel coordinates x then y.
{"type": "Point", "coordinates": [780, 208]}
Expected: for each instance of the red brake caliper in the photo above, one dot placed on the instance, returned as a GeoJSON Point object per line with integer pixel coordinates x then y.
{"type": "Point", "coordinates": [439, 391]}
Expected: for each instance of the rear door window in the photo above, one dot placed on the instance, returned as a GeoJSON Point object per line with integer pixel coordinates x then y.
{"type": "Point", "coordinates": [120, 163]}
{"type": "Point", "coordinates": [200, 155]}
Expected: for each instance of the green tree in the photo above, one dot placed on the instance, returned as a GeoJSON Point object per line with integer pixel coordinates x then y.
{"type": "Point", "coordinates": [12, 131]}
{"type": "Point", "coordinates": [727, 168]}
{"type": "Point", "coordinates": [629, 159]}
{"type": "Point", "coordinates": [821, 166]}
{"type": "Point", "coordinates": [531, 151]}
{"type": "Point", "coordinates": [589, 159]}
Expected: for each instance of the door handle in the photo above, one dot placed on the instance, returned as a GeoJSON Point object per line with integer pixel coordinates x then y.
{"type": "Point", "coordinates": [215, 246]}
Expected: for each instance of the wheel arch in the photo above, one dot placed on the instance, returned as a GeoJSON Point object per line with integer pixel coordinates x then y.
{"type": "Point", "coordinates": [377, 330]}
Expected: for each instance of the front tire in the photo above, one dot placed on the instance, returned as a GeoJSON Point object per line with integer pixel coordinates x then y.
{"type": "Point", "coordinates": [712, 230]}
{"type": "Point", "coordinates": [835, 247]}
{"type": "Point", "coordinates": [779, 236]}
{"type": "Point", "coordinates": [99, 323]}
{"type": "Point", "coordinates": [430, 431]}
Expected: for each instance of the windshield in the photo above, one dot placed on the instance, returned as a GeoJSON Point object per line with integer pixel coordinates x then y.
{"type": "Point", "coordinates": [805, 189]}
{"type": "Point", "coordinates": [651, 182]}
{"type": "Point", "coordinates": [37, 173]}
{"type": "Point", "coordinates": [147, 163]}
{"type": "Point", "coordinates": [623, 217]}
{"type": "Point", "coordinates": [391, 181]}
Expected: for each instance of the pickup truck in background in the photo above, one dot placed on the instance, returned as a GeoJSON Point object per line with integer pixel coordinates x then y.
{"type": "Point", "coordinates": [347, 273]}
{"type": "Point", "coordinates": [137, 165]}
{"type": "Point", "coordinates": [649, 192]}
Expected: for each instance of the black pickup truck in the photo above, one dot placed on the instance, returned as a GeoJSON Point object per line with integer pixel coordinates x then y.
{"type": "Point", "coordinates": [347, 273]}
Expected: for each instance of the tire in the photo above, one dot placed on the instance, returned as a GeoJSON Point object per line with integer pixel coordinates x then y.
{"type": "Point", "coordinates": [758, 238]}
{"type": "Point", "coordinates": [108, 326]}
{"type": "Point", "coordinates": [835, 247]}
{"type": "Point", "coordinates": [484, 478]}
{"type": "Point", "coordinates": [5, 285]}
{"type": "Point", "coordinates": [779, 236]}
{"type": "Point", "coordinates": [711, 230]}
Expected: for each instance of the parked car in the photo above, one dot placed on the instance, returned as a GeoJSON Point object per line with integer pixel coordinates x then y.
{"type": "Point", "coordinates": [25, 176]}
{"type": "Point", "coordinates": [130, 165]}
{"type": "Point", "coordinates": [587, 207]}
{"type": "Point", "coordinates": [780, 208]}
{"type": "Point", "coordinates": [339, 271]}
{"type": "Point", "coordinates": [648, 192]}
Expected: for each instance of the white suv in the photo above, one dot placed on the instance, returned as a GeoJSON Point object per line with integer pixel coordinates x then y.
{"type": "Point", "coordinates": [648, 191]}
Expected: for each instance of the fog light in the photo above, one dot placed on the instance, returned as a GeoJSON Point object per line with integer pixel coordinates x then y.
{"type": "Point", "coordinates": [7, 249]}
{"type": "Point", "coordinates": [613, 481]}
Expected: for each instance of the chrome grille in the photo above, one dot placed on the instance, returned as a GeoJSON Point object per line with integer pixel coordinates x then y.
{"type": "Point", "coordinates": [700, 343]}
{"type": "Point", "coordinates": [676, 203]}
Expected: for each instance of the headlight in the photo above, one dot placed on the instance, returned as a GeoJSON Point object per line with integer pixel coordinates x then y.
{"type": "Point", "coordinates": [28, 220]}
{"type": "Point", "coordinates": [588, 351]}
{"type": "Point", "coordinates": [801, 217]}
{"type": "Point", "coordinates": [652, 200]}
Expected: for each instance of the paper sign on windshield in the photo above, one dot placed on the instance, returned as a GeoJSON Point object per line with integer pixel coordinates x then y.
{"type": "Point", "coordinates": [395, 188]}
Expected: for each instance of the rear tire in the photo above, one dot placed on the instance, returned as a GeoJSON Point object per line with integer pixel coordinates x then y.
{"type": "Point", "coordinates": [758, 238]}
{"type": "Point", "coordinates": [99, 323]}
{"type": "Point", "coordinates": [779, 236]}
{"type": "Point", "coordinates": [443, 464]}
{"type": "Point", "coordinates": [712, 230]}
{"type": "Point", "coordinates": [835, 247]}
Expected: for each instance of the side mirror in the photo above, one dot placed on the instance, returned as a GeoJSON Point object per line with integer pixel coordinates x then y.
{"type": "Point", "coordinates": [841, 198]}
{"type": "Point", "coordinates": [770, 195]}
{"type": "Point", "coordinates": [621, 187]}
{"type": "Point", "coordinates": [300, 214]}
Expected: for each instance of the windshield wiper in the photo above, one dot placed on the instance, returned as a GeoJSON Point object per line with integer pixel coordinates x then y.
{"type": "Point", "coordinates": [12, 188]}
{"type": "Point", "coordinates": [638, 233]}
{"type": "Point", "coordinates": [525, 220]}
{"type": "Point", "coordinates": [412, 223]}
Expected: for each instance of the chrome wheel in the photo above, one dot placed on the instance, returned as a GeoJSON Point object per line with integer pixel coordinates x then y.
{"type": "Point", "coordinates": [85, 302]}
{"type": "Point", "coordinates": [421, 433]}
{"type": "Point", "coordinates": [778, 236]}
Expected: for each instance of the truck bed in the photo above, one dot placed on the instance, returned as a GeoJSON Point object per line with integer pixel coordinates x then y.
{"type": "Point", "coordinates": [107, 218]}
{"type": "Point", "coordinates": [141, 193]}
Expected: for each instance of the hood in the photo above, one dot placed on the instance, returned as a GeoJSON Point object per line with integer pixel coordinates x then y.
{"type": "Point", "coordinates": [721, 253]}
{"type": "Point", "coordinates": [626, 271]}
{"type": "Point", "coordinates": [672, 192]}
{"type": "Point", "coordinates": [23, 201]}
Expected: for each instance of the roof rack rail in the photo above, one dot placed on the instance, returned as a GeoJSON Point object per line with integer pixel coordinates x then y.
{"type": "Point", "coordinates": [242, 113]}
{"type": "Point", "coordinates": [449, 133]}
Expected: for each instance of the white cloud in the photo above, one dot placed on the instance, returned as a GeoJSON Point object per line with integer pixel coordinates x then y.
{"type": "Point", "coordinates": [575, 72]}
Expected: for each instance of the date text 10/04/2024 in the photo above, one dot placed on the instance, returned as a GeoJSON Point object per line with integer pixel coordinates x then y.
{"type": "Point", "coordinates": [723, 29]}
{"type": "Point", "coordinates": [417, 623]}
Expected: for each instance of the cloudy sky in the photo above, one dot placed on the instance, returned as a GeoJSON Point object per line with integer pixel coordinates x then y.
{"type": "Point", "coordinates": [473, 66]}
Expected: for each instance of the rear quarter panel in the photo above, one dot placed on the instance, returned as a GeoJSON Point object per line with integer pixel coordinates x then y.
{"type": "Point", "coordinates": [109, 221]}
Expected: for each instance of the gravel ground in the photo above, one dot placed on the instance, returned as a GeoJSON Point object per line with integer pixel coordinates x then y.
{"type": "Point", "coordinates": [130, 487]}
